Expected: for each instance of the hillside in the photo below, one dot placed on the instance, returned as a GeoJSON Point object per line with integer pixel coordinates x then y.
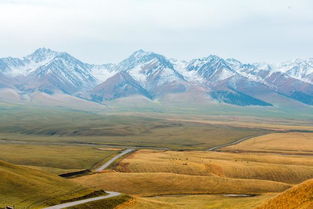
{"type": "Point", "coordinates": [288, 169]}
{"type": "Point", "coordinates": [55, 159]}
{"type": "Point", "coordinates": [29, 188]}
{"type": "Point", "coordinates": [292, 143]}
{"type": "Point", "coordinates": [298, 197]}
{"type": "Point", "coordinates": [158, 172]}
{"type": "Point", "coordinates": [195, 201]}
{"type": "Point", "coordinates": [154, 184]}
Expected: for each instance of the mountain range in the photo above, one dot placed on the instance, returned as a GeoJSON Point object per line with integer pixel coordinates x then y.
{"type": "Point", "coordinates": [154, 76]}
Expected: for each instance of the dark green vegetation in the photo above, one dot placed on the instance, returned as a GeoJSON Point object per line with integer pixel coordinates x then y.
{"type": "Point", "coordinates": [109, 203]}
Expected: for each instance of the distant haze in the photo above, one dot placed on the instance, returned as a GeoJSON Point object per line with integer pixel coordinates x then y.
{"type": "Point", "coordinates": [102, 31]}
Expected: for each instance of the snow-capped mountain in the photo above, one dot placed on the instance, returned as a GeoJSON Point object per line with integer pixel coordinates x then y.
{"type": "Point", "coordinates": [152, 71]}
{"type": "Point", "coordinates": [62, 72]}
{"type": "Point", "coordinates": [153, 76]}
{"type": "Point", "coordinates": [102, 72]}
{"type": "Point", "coordinates": [48, 71]}
{"type": "Point", "coordinates": [301, 69]}
{"type": "Point", "coordinates": [13, 67]}
{"type": "Point", "coordinates": [211, 69]}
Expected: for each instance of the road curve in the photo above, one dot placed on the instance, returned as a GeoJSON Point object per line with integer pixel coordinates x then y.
{"type": "Point", "coordinates": [108, 163]}
{"type": "Point", "coordinates": [229, 144]}
{"type": "Point", "coordinates": [70, 204]}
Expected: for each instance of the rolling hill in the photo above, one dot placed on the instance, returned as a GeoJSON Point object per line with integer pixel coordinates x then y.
{"type": "Point", "coordinates": [29, 188]}
{"type": "Point", "coordinates": [297, 197]}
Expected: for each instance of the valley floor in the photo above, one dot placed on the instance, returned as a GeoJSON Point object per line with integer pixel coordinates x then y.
{"type": "Point", "coordinates": [168, 177]}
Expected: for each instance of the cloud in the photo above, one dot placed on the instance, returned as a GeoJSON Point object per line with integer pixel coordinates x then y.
{"type": "Point", "coordinates": [106, 30]}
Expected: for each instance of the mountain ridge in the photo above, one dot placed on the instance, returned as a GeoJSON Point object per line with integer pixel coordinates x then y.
{"type": "Point", "coordinates": [153, 76]}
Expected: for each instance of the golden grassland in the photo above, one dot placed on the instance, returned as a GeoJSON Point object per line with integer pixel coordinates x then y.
{"type": "Point", "coordinates": [281, 168]}
{"type": "Point", "coordinates": [150, 184]}
{"type": "Point", "coordinates": [154, 172]}
{"type": "Point", "coordinates": [195, 202]}
{"type": "Point", "coordinates": [294, 142]}
{"type": "Point", "coordinates": [286, 161]}
{"type": "Point", "coordinates": [56, 171]}
{"type": "Point", "coordinates": [30, 188]}
{"type": "Point", "coordinates": [298, 197]}
{"type": "Point", "coordinates": [110, 203]}
{"type": "Point", "coordinates": [48, 141]}
{"type": "Point", "coordinates": [55, 158]}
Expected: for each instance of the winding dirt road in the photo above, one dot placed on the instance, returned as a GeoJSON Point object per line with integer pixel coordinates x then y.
{"type": "Point", "coordinates": [110, 194]}
{"type": "Point", "coordinates": [108, 163]}
{"type": "Point", "coordinates": [229, 144]}
{"type": "Point", "coordinates": [70, 204]}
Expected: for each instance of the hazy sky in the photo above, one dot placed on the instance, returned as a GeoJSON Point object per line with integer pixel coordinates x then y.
{"type": "Point", "coordinates": [101, 31]}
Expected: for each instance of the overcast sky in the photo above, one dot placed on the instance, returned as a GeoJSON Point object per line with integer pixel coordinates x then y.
{"type": "Point", "coordinates": [101, 31]}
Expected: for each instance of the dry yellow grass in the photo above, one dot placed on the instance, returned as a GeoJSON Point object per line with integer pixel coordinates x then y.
{"type": "Point", "coordinates": [30, 188]}
{"type": "Point", "coordinates": [289, 169]}
{"type": "Point", "coordinates": [295, 142]}
{"type": "Point", "coordinates": [196, 202]}
{"type": "Point", "coordinates": [110, 149]}
{"type": "Point", "coordinates": [55, 158]}
{"type": "Point", "coordinates": [298, 197]}
{"type": "Point", "coordinates": [146, 203]}
{"type": "Point", "coordinates": [149, 184]}
{"type": "Point", "coordinates": [154, 172]}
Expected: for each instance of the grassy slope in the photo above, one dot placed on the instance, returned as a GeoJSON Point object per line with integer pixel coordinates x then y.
{"type": "Point", "coordinates": [288, 169]}
{"type": "Point", "coordinates": [29, 188]}
{"type": "Point", "coordinates": [109, 203]}
{"type": "Point", "coordinates": [277, 142]}
{"type": "Point", "coordinates": [298, 197]}
{"type": "Point", "coordinates": [154, 172]}
{"type": "Point", "coordinates": [196, 201]}
{"type": "Point", "coordinates": [53, 158]}
{"type": "Point", "coordinates": [148, 184]}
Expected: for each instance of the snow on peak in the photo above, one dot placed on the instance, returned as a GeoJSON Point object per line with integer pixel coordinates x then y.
{"type": "Point", "coordinates": [145, 66]}
{"type": "Point", "coordinates": [28, 64]}
{"type": "Point", "coordinates": [42, 54]}
{"type": "Point", "coordinates": [103, 72]}
{"type": "Point", "coordinates": [212, 68]}
{"type": "Point", "coordinates": [301, 69]}
{"type": "Point", "coordinates": [142, 57]}
{"type": "Point", "coordinates": [140, 53]}
{"type": "Point", "coordinates": [233, 62]}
